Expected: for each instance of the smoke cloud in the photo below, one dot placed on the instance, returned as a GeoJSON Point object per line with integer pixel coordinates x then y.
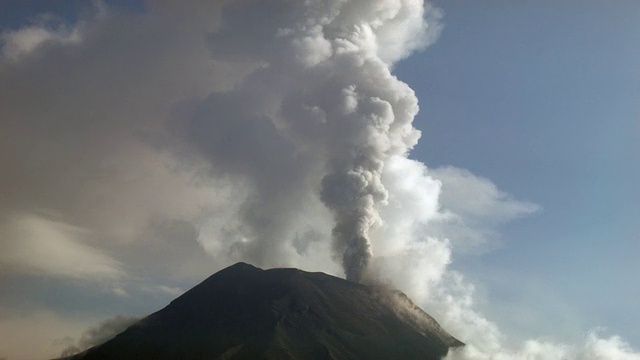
{"type": "Point", "coordinates": [100, 334]}
{"type": "Point", "coordinates": [323, 106]}
{"type": "Point", "coordinates": [272, 132]}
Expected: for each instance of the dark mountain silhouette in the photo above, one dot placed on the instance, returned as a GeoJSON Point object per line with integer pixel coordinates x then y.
{"type": "Point", "coordinates": [243, 312]}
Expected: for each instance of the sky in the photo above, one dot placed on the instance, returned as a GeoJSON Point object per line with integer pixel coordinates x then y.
{"type": "Point", "coordinates": [542, 98]}
{"type": "Point", "coordinates": [479, 156]}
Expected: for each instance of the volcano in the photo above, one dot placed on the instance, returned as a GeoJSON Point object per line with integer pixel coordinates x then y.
{"type": "Point", "coordinates": [243, 312]}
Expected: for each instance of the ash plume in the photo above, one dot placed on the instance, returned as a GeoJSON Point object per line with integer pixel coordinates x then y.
{"type": "Point", "coordinates": [320, 112]}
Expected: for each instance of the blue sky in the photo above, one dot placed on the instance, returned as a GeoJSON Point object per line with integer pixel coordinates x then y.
{"type": "Point", "coordinates": [114, 142]}
{"type": "Point", "coordinates": [542, 97]}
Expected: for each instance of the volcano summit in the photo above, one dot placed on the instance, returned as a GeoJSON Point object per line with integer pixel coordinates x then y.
{"type": "Point", "coordinates": [244, 312]}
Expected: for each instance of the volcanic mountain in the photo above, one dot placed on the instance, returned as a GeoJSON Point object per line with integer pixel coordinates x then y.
{"type": "Point", "coordinates": [244, 312]}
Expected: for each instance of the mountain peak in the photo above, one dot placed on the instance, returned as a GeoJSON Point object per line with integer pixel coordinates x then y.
{"type": "Point", "coordinates": [244, 312]}
{"type": "Point", "coordinates": [241, 265]}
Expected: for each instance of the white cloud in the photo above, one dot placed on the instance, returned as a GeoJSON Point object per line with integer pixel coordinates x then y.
{"type": "Point", "coordinates": [17, 44]}
{"type": "Point", "coordinates": [614, 347]}
{"type": "Point", "coordinates": [166, 290]}
{"type": "Point", "coordinates": [34, 244]}
{"type": "Point", "coordinates": [469, 195]}
{"type": "Point", "coordinates": [473, 208]}
{"type": "Point", "coordinates": [593, 348]}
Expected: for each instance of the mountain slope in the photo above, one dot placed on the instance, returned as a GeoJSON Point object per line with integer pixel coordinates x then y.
{"type": "Point", "coordinates": [243, 312]}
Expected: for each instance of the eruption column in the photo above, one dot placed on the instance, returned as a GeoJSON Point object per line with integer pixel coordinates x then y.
{"type": "Point", "coordinates": [365, 112]}
{"type": "Point", "coordinates": [318, 111]}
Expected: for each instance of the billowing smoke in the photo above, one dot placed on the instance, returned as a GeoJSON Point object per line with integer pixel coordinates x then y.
{"type": "Point", "coordinates": [100, 334]}
{"type": "Point", "coordinates": [324, 111]}
{"type": "Point", "coordinates": [370, 123]}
